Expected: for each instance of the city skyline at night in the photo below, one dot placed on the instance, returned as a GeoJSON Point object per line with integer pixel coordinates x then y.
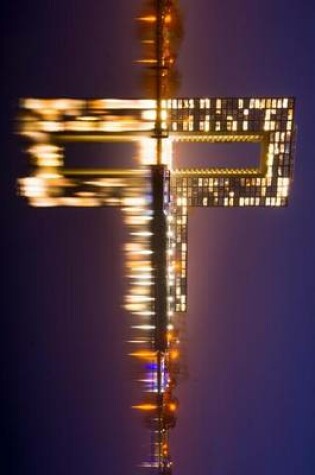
{"type": "Point", "coordinates": [226, 327]}
{"type": "Point", "coordinates": [156, 197]}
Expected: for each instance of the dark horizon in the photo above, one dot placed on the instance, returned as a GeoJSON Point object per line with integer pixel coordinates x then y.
{"type": "Point", "coordinates": [248, 404]}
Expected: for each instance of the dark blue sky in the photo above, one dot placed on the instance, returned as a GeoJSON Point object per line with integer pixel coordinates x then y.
{"type": "Point", "coordinates": [248, 406]}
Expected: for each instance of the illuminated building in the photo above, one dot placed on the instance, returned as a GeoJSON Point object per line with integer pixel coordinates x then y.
{"type": "Point", "coordinates": [51, 124]}
{"type": "Point", "coordinates": [155, 197]}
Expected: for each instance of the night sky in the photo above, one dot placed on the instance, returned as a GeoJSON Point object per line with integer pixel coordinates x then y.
{"type": "Point", "coordinates": [248, 405]}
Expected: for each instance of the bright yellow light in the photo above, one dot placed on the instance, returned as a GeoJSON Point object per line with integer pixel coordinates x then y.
{"type": "Point", "coordinates": [145, 354]}
{"type": "Point", "coordinates": [149, 114]}
{"type": "Point", "coordinates": [146, 61]}
{"type": "Point", "coordinates": [174, 354]}
{"type": "Point", "coordinates": [147, 18]}
{"type": "Point", "coordinates": [144, 327]}
{"type": "Point", "coordinates": [168, 19]}
{"type": "Point", "coordinates": [145, 407]}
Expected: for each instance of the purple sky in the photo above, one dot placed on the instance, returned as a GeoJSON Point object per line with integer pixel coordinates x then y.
{"type": "Point", "coordinates": [248, 406]}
